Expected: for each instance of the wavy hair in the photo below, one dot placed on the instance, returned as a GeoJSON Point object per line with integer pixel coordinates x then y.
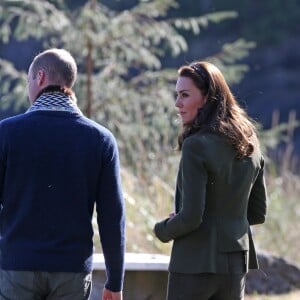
{"type": "Point", "coordinates": [221, 113]}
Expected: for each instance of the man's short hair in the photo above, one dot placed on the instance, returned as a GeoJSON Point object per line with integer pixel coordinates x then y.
{"type": "Point", "coordinates": [58, 64]}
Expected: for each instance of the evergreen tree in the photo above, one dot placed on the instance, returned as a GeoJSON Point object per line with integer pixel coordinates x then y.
{"type": "Point", "coordinates": [121, 83]}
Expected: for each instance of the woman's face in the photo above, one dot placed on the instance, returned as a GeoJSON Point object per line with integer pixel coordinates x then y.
{"type": "Point", "coordinates": [189, 99]}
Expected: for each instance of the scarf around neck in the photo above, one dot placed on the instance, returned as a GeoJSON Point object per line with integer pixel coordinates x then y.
{"type": "Point", "coordinates": [55, 101]}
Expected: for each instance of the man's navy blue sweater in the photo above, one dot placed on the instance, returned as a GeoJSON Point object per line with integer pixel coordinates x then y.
{"type": "Point", "coordinates": [54, 167]}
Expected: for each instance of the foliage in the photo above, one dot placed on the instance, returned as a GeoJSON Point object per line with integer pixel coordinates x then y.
{"type": "Point", "coordinates": [226, 59]}
{"type": "Point", "coordinates": [121, 82]}
{"type": "Point", "coordinates": [122, 85]}
{"type": "Point", "coordinates": [277, 144]}
{"type": "Point", "coordinates": [146, 202]}
{"type": "Point", "coordinates": [12, 85]}
{"type": "Point", "coordinates": [278, 234]}
{"type": "Point", "coordinates": [30, 18]}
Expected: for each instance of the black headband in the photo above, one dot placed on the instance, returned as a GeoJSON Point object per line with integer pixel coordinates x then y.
{"type": "Point", "coordinates": [200, 71]}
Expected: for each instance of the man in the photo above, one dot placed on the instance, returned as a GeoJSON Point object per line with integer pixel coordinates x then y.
{"type": "Point", "coordinates": [55, 165]}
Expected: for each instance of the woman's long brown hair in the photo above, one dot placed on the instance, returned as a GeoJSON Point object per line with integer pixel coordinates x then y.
{"type": "Point", "coordinates": [221, 113]}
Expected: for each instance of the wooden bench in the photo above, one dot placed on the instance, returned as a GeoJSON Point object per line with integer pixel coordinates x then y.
{"type": "Point", "coordinates": [145, 276]}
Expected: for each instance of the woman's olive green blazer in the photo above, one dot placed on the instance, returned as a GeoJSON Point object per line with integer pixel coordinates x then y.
{"type": "Point", "coordinates": [217, 198]}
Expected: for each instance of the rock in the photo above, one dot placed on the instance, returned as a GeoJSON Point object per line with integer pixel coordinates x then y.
{"type": "Point", "coordinates": [275, 276]}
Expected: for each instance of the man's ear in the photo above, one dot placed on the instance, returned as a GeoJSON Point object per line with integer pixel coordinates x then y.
{"type": "Point", "coordinates": [41, 76]}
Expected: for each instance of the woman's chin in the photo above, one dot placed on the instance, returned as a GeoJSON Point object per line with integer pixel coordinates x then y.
{"type": "Point", "coordinates": [185, 122]}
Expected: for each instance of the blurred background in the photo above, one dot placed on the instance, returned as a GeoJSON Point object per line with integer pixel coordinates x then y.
{"type": "Point", "coordinates": [128, 53]}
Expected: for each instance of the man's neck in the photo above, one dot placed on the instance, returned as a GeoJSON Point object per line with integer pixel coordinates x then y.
{"type": "Point", "coordinates": [56, 88]}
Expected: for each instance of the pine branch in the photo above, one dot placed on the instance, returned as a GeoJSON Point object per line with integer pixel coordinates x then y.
{"type": "Point", "coordinates": [227, 59]}
{"type": "Point", "coordinates": [30, 18]}
{"type": "Point", "coordinates": [12, 85]}
{"type": "Point", "coordinates": [154, 9]}
{"type": "Point", "coordinates": [195, 24]}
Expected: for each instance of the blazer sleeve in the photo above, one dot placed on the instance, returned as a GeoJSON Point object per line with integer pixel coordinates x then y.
{"type": "Point", "coordinates": [193, 177]}
{"type": "Point", "coordinates": [257, 205]}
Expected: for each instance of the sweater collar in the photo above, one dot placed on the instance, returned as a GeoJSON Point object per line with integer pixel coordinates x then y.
{"type": "Point", "coordinates": [55, 101]}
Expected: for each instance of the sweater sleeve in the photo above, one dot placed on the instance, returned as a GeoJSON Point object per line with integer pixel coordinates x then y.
{"type": "Point", "coordinates": [111, 217]}
{"type": "Point", "coordinates": [2, 161]}
{"type": "Point", "coordinates": [257, 206]}
{"type": "Point", "coordinates": [193, 177]}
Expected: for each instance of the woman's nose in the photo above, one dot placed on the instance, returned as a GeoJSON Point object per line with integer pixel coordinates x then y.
{"type": "Point", "coordinates": [178, 102]}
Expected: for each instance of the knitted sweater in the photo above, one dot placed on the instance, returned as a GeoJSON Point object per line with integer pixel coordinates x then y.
{"type": "Point", "coordinates": [55, 166]}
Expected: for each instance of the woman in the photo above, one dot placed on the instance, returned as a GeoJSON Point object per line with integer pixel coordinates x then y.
{"type": "Point", "coordinates": [220, 191]}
